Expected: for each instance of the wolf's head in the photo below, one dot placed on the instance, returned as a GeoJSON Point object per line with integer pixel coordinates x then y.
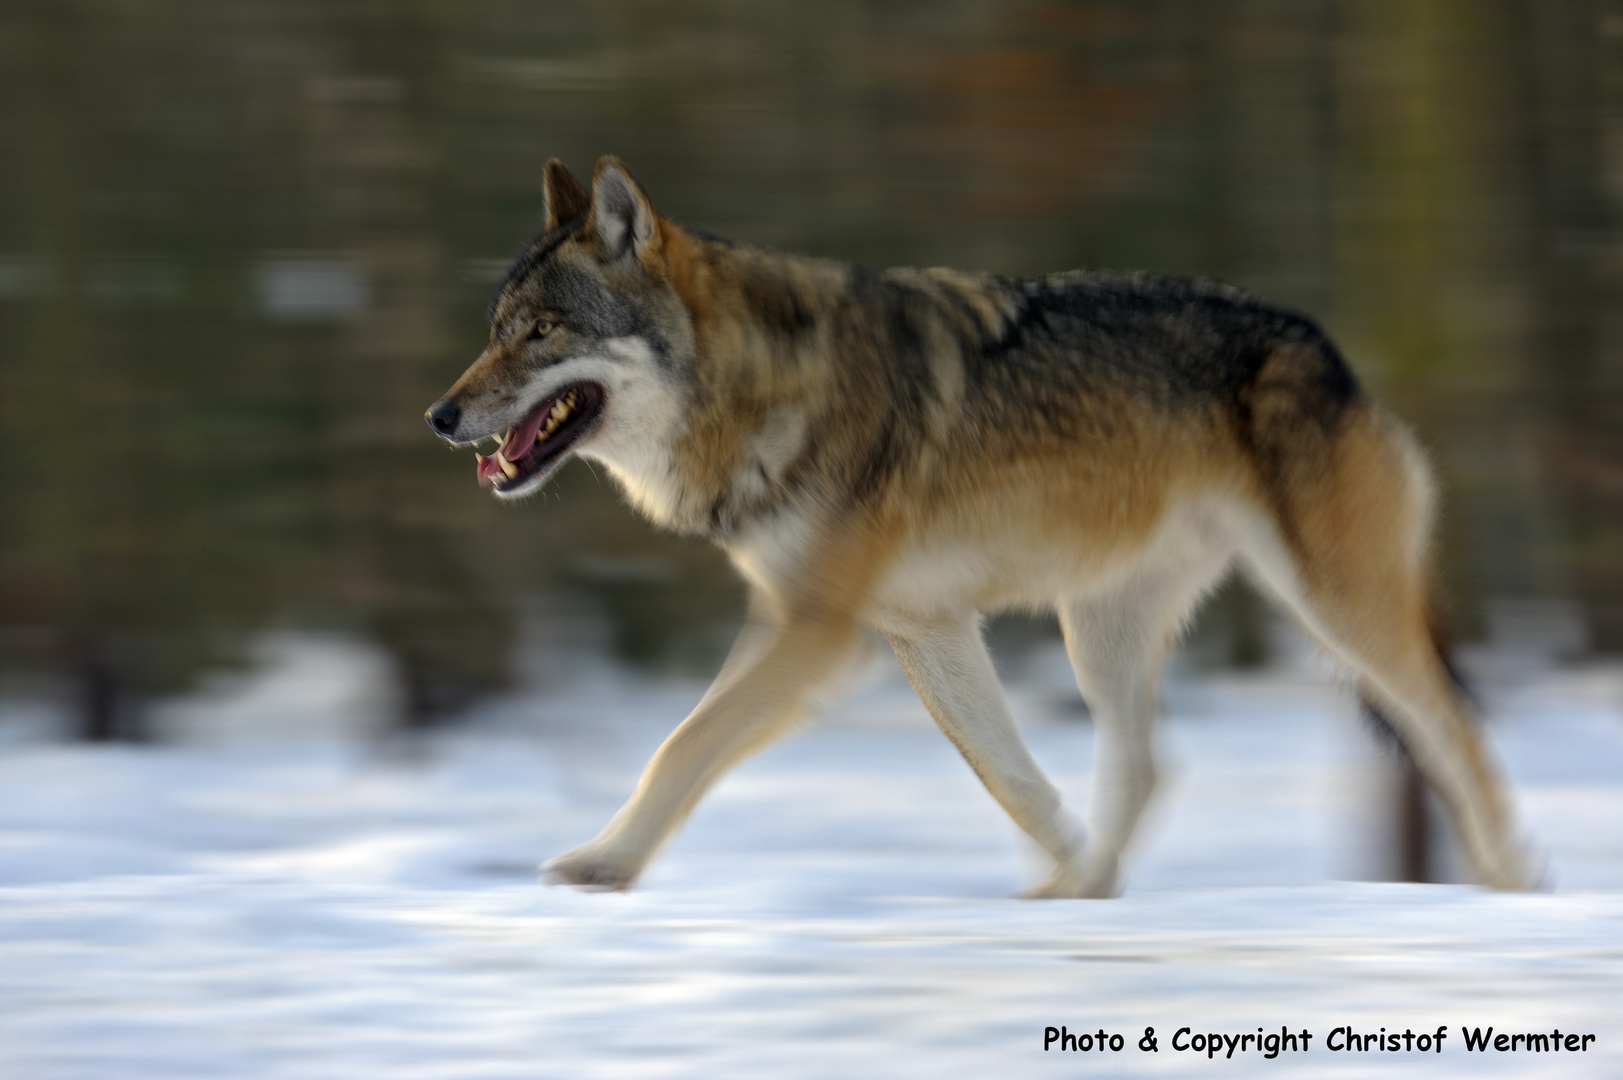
{"type": "Point", "coordinates": [586, 341]}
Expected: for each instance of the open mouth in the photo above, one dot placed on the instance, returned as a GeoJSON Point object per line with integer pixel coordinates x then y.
{"type": "Point", "coordinates": [541, 437]}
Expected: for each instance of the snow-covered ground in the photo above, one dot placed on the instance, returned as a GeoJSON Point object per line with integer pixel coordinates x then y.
{"type": "Point", "coordinates": [306, 906]}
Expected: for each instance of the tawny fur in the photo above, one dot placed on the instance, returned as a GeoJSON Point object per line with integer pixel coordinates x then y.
{"type": "Point", "coordinates": [914, 449]}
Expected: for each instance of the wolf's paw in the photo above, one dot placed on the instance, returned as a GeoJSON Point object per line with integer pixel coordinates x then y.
{"type": "Point", "coordinates": [591, 868]}
{"type": "Point", "coordinates": [1520, 868]}
{"type": "Point", "coordinates": [1070, 883]}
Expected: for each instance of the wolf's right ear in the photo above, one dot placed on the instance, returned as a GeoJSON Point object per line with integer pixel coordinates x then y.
{"type": "Point", "coordinates": [621, 214]}
{"type": "Point", "coordinates": [566, 199]}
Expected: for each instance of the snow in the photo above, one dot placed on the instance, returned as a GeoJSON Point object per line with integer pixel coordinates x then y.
{"type": "Point", "coordinates": [277, 896]}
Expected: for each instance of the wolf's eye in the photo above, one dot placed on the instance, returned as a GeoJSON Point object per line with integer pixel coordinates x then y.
{"type": "Point", "coordinates": [541, 328]}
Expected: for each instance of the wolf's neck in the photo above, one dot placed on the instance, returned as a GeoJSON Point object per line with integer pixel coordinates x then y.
{"type": "Point", "coordinates": [763, 368]}
{"type": "Point", "coordinates": [758, 316]}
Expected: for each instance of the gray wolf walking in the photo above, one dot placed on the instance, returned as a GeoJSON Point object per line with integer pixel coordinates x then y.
{"type": "Point", "coordinates": [914, 449]}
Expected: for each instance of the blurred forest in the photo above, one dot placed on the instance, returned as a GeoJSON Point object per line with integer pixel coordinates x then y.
{"type": "Point", "coordinates": [244, 243]}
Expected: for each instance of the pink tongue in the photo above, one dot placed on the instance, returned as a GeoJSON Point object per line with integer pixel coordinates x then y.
{"type": "Point", "coordinates": [489, 468]}
{"type": "Point", "coordinates": [520, 439]}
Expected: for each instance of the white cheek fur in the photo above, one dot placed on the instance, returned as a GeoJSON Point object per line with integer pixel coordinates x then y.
{"type": "Point", "coordinates": [643, 417]}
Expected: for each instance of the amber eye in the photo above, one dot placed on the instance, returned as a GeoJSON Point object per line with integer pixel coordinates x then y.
{"type": "Point", "coordinates": [541, 329]}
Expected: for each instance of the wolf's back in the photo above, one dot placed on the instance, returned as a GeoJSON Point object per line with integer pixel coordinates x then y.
{"type": "Point", "coordinates": [1171, 343]}
{"type": "Point", "coordinates": [1099, 363]}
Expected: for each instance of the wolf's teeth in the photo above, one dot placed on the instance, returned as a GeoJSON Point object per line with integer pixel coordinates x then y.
{"type": "Point", "coordinates": [508, 467]}
{"type": "Point", "coordinates": [559, 411]}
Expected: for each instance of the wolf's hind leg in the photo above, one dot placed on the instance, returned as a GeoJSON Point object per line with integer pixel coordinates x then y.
{"type": "Point", "coordinates": [1116, 641]}
{"type": "Point", "coordinates": [1348, 555]}
{"type": "Point", "coordinates": [947, 662]}
{"type": "Point", "coordinates": [761, 693]}
{"type": "Point", "coordinates": [1378, 625]}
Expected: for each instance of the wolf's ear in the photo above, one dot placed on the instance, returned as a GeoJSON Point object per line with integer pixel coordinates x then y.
{"type": "Point", "coordinates": [621, 214]}
{"type": "Point", "coordinates": [566, 199]}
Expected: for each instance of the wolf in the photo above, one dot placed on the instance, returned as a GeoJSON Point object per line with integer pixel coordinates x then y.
{"type": "Point", "coordinates": [913, 450]}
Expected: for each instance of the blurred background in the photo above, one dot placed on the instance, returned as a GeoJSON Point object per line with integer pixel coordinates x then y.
{"type": "Point", "coordinates": [244, 243]}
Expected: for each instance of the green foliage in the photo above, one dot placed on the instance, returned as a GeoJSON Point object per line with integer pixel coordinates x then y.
{"type": "Point", "coordinates": [188, 454]}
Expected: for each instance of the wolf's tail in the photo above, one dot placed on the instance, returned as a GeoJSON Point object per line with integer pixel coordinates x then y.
{"type": "Point", "coordinates": [1414, 859]}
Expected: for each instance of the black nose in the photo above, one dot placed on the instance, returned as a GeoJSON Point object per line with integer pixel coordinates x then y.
{"type": "Point", "coordinates": [442, 417]}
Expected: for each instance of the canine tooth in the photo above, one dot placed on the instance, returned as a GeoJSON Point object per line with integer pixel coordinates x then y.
{"type": "Point", "coordinates": [508, 467]}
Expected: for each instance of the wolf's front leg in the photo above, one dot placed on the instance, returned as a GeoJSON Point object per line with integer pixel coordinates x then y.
{"type": "Point", "coordinates": [751, 703]}
{"type": "Point", "coordinates": [948, 665]}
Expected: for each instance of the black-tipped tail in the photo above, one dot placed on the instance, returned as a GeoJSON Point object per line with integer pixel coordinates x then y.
{"type": "Point", "coordinates": [1413, 844]}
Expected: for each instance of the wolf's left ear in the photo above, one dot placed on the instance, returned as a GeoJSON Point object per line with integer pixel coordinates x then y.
{"type": "Point", "coordinates": [621, 214]}
{"type": "Point", "coordinates": [566, 199]}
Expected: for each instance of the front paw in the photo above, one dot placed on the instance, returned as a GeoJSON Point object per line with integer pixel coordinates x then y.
{"type": "Point", "coordinates": [1519, 868]}
{"type": "Point", "coordinates": [591, 868]}
{"type": "Point", "coordinates": [1094, 881]}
